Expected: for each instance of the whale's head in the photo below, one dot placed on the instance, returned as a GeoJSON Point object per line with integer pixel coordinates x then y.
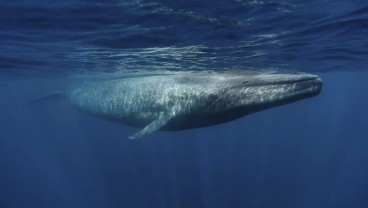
{"type": "Point", "coordinates": [251, 93]}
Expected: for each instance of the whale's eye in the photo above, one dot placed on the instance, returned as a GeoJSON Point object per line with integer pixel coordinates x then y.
{"type": "Point", "coordinates": [211, 99]}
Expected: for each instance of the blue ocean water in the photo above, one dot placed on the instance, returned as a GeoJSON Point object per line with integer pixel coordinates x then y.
{"type": "Point", "coordinates": [311, 153]}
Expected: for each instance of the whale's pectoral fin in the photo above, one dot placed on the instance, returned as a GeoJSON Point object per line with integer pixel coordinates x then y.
{"type": "Point", "coordinates": [153, 126]}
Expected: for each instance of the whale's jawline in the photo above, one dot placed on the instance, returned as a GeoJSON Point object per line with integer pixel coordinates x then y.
{"type": "Point", "coordinates": [184, 122]}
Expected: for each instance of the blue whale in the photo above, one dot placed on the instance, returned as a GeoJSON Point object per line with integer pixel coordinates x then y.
{"type": "Point", "coordinates": [187, 101]}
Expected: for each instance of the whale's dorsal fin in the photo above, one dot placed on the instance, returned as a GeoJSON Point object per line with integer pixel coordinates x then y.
{"type": "Point", "coordinates": [50, 97]}
{"type": "Point", "coordinates": [153, 126]}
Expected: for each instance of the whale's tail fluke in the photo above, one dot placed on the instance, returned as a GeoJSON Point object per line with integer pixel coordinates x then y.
{"type": "Point", "coordinates": [50, 97]}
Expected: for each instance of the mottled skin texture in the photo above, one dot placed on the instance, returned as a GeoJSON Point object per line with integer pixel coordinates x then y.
{"type": "Point", "coordinates": [191, 101]}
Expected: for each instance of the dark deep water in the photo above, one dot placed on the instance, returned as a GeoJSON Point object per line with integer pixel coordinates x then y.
{"type": "Point", "coordinates": [312, 153]}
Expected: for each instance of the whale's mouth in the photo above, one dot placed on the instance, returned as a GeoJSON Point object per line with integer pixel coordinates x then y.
{"type": "Point", "coordinates": [292, 84]}
{"type": "Point", "coordinates": [300, 80]}
{"type": "Point", "coordinates": [281, 79]}
{"type": "Point", "coordinates": [309, 86]}
{"type": "Point", "coordinates": [301, 87]}
{"type": "Point", "coordinates": [284, 88]}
